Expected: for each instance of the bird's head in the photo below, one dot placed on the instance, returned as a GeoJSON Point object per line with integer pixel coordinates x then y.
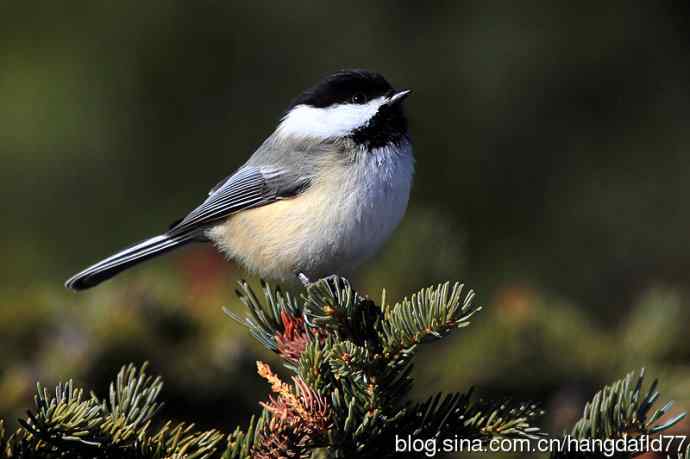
{"type": "Point", "coordinates": [355, 104]}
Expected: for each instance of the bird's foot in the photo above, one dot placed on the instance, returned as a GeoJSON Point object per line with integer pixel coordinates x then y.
{"type": "Point", "coordinates": [303, 279]}
{"type": "Point", "coordinates": [334, 281]}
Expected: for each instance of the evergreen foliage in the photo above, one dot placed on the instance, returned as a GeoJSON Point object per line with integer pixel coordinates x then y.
{"type": "Point", "coordinates": [623, 409]}
{"type": "Point", "coordinates": [349, 395]}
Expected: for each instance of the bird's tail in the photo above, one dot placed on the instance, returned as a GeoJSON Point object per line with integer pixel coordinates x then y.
{"type": "Point", "coordinates": [135, 254]}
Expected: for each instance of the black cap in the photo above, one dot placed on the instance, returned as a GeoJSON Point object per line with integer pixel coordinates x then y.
{"type": "Point", "coordinates": [346, 86]}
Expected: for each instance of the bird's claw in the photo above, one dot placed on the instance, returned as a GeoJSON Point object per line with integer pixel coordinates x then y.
{"type": "Point", "coordinates": [334, 281]}
{"type": "Point", "coordinates": [303, 279]}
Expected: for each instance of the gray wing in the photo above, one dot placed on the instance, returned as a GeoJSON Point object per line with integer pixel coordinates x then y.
{"type": "Point", "coordinates": [248, 187]}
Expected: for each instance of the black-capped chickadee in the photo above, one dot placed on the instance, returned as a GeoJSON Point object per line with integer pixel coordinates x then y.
{"type": "Point", "coordinates": [318, 197]}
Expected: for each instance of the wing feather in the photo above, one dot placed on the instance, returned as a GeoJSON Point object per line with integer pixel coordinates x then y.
{"type": "Point", "coordinates": [246, 188]}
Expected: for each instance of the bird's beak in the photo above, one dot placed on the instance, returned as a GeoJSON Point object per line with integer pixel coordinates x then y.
{"type": "Point", "coordinates": [399, 97]}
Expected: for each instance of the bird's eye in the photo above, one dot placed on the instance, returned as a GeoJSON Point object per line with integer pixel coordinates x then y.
{"type": "Point", "coordinates": [359, 98]}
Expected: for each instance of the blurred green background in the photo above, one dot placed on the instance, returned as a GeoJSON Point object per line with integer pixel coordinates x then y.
{"type": "Point", "coordinates": [552, 177]}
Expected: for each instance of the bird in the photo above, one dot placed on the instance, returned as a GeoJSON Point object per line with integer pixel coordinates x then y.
{"type": "Point", "coordinates": [320, 196]}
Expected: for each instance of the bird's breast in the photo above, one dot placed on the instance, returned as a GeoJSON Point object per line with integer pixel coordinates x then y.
{"type": "Point", "coordinates": [344, 217]}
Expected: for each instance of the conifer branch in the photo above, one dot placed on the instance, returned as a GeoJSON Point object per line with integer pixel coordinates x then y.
{"type": "Point", "coordinates": [623, 409]}
{"type": "Point", "coordinates": [266, 319]}
{"type": "Point", "coordinates": [70, 425]}
{"type": "Point", "coordinates": [429, 314]}
{"type": "Point", "coordinates": [348, 396]}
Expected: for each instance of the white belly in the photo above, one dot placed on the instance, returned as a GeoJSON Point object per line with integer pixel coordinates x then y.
{"type": "Point", "coordinates": [342, 219]}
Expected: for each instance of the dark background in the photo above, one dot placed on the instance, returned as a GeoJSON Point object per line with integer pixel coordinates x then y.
{"type": "Point", "coordinates": [552, 177]}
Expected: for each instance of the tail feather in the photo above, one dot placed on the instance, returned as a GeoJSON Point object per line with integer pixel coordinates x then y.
{"type": "Point", "coordinates": [135, 254]}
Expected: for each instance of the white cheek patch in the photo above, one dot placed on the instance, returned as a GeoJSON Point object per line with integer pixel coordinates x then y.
{"type": "Point", "coordinates": [330, 122]}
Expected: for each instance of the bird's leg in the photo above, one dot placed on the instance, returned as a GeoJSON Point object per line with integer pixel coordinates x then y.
{"type": "Point", "coordinates": [335, 281]}
{"type": "Point", "coordinates": [303, 279]}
